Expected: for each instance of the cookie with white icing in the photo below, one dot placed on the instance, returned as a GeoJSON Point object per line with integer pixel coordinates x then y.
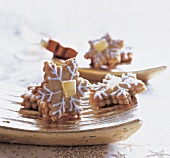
{"type": "Point", "coordinates": [61, 91]}
{"type": "Point", "coordinates": [108, 52]}
{"type": "Point", "coordinates": [116, 90]}
{"type": "Point", "coordinates": [29, 100]}
{"type": "Point", "coordinates": [126, 55]}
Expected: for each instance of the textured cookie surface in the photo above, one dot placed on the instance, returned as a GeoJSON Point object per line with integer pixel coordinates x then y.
{"type": "Point", "coordinates": [116, 90]}
{"type": "Point", "coordinates": [61, 91]}
{"type": "Point", "coordinates": [108, 52]}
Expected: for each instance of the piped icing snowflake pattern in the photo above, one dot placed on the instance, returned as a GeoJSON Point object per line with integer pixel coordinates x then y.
{"type": "Point", "coordinates": [108, 52]}
{"type": "Point", "coordinates": [116, 90]}
{"type": "Point", "coordinates": [61, 91]}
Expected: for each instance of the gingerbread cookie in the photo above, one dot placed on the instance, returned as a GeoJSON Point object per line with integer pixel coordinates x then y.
{"type": "Point", "coordinates": [116, 90]}
{"type": "Point", "coordinates": [108, 52]}
{"type": "Point", "coordinates": [61, 91]}
{"type": "Point", "coordinates": [29, 100]}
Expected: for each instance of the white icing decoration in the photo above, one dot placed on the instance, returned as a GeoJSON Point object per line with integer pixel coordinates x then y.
{"type": "Point", "coordinates": [50, 94]}
{"type": "Point", "coordinates": [61, 108]}
{"type": "Point", "coordinates": [112, 42]}
{"type": "Point", "coordinates": [80, 87]}
{"type": "Point", "coordinates": [73, 72]}
{"type": "Point", "coordinates": [123, 91]}
{"type": "Point", "coordinates": [113, 82]}
{"type": "Point", "coordinates": [29, 92]}
{"type": "Point", "coordinates": [129, 74]}
{"type": "Point", "coordinates": [108, 76]}
{"type": "Point", "coordinates": [73, 104]}
{"type": "Point", "coordinates": [102, 57]}
{"type": "Point", "coordinates": [99, 94]}
{"type": "Point", "coordinates": [105, 80]}
{"type": "Point", "coordinates": [114, 53]}
{"type": "Point", "coordinates": [125, 55]}
{"type": "Point", "coordinates": [97, 57]}
{"type": "Point", "coordinates": [32, 96]}
{"type": "Point", "coordinates": [126, 50]}
{"type": "Point", "coordinates": [41, 96]}
{"type": "Point", "coordinates": [54, 71]}
{"type": "Point", "coordinates": [107, 53]}
{"type": "Point", "coordinates": [120, 91]}
{"type": "Point", "coordinates": [99, 86]}
{"type": "Point", "coordinates": [130, 81]}
{"type": "Point", "coordinates": [93, 86]}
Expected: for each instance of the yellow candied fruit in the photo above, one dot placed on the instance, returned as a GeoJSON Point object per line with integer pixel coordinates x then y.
{"type": "Point", "coordinates": [69, 87]}
{"type": "Point", "coordinates": [101, 45]}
